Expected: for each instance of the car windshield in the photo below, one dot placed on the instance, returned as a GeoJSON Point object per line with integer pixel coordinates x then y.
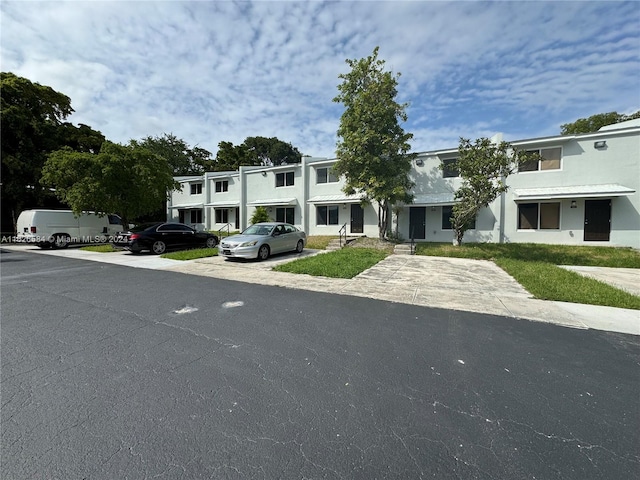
{"type": "Point", "coordinates": [258, 230]}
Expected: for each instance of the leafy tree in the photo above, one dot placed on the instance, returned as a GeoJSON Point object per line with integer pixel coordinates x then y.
{"type": "Point", "coordinates": [256, 151]}
{"type": "Point", "coordinates": [126, 179]}
{"type": "Point", "coordinates": [31, 115]}
{"type": "Point", "coordinates": [260, 214]}
{"type": "Point", "coordinates": [373, 148]}
{"type": "Point", "coordinates": [595, 122]}
{"type": "Point", "coordinates": [230, 157]}
{"type": "Point", "coordinates": [182, 159]}
{"type": "Point", "coordinates": [484, 167]}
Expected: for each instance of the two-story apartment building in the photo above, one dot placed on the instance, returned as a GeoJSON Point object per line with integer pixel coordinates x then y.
{"type": "Point", "coordinates": [584, 191]}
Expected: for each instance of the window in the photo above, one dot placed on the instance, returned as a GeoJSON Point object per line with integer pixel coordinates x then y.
{"type": "Point", "coordinates": [449, 168]}
{"type": "Point", "coordinates": [196, 188]}
{"type": "Point", "coordinates": [222, 186]}
{"type": "Point", "coordinates": [539, 216]}
{"type": "Point", "coordinates": [222, 215]}
{"type": "Point", "coordinates": [327, 215]}
{"type": "Point", "coordinates": [285, 214]}
{"type": "Point", "coordinates": [196, 216]}
{"type": "Point", "coordinates": [447, 213]}
{"type": "Point", "coordinates": [325, 175]}
{"type": "Point", "coordinates": [284, 179]}
{"type": "Point", "coordinates": [550, 160]}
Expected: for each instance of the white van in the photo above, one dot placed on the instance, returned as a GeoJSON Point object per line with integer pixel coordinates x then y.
{"type": "Point", "coordinates": [59, 228]}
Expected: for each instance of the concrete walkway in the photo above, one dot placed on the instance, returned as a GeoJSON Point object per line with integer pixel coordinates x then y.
{"type": "Point", "coordinates": [449, 283]}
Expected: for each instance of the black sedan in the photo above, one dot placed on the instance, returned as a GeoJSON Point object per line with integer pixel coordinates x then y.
{"type": "Point", "coordinates": [159, 237]}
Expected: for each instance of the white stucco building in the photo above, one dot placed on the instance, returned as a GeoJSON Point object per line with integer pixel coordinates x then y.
{"type": "Point", "coordinates": [584, 191]}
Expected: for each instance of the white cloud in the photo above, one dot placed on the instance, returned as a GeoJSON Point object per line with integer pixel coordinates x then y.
{"type": "Point", "coordinates": [221, 71]}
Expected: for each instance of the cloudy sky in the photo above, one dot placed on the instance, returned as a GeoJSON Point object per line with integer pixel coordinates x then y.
{"type": "Point", "coordinates": [212, 71]}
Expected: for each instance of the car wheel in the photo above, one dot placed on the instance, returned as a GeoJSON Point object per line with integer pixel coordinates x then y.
{"type": "Point", "coordinates": [263, 252]}
{"type": "Point", "coordinates": [212, 242]}
{"type": "Point", "coordinates": [60, 240]}
{"type": "Point", "coordinates": [159, 247]}
{"type": "Point", "coordinates": [300, 246]}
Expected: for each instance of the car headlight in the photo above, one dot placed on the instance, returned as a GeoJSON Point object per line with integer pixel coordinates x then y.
{"type": "Point", "coordinates": [248, 244]}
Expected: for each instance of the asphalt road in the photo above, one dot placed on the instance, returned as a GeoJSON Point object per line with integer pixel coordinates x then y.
{"type": "Point", "coordinates": [111, 372]}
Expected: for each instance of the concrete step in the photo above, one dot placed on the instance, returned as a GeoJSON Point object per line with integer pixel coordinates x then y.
{"type": "Point", "coordinates": [403, 249]}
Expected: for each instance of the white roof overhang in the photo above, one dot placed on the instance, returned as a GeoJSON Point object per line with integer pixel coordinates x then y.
{"type": "Point", "coordinates": [336, 199]}
{"type": "Point", "coordinates": [578, 191]}
{"type": "Point", "coordinates": [272, 201]}
{"type": "Point", "coordinates": [188, 205]}
{"type": "Point", "coordinates": [223, 204]}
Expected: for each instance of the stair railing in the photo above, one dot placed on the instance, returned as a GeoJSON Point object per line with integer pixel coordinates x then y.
{"type": "Point", "coordinates": [228, 227]}
{"type": "Point", "coordinates": [343, 230]}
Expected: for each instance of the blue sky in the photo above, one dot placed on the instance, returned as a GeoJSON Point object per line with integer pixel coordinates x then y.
{"type": "Point", "coordinates": [222, 71]}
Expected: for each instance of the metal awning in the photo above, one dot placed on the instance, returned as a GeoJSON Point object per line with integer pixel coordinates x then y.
{"type": "Point", "coordinates": [222, 204]}
{"type": "Point", "coordinates": [188, 205]}
{"type": "Point", "coordinates": [272, 202]}
{"type": "Point", "coordinates": [433, 199]}
{"type": "Point", "coordinates": [577, 191]}
{"type": "Point", "coordinates": [329, 199]}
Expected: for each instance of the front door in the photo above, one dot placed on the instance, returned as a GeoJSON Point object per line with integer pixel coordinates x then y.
{"type": "Point", "coordinates": [597, 220]}
{"type": "Point", "coordinates": [417, 223]}
{"type": "Point", "coordinates": [357, 218]}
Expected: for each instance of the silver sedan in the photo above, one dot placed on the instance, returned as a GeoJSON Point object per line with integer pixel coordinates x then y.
{"type": "Point", "coordinates": [263, 239]}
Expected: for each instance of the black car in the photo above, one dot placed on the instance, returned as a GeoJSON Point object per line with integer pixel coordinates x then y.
{"type": "Point", "coordinates": [160, 236]}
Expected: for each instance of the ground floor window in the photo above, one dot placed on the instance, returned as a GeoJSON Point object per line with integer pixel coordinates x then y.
{"type": "Point", "coordinates": [447, 213]}
{"type": "Point", "coordinates": [327, 215]}
{"type": "Point", "coordinates": [222, 215]}
{"type": "Point", "coordinates": [196, 216]}
{"type": "Point", "coordinates": [539, 216]}
{"type": "Point", "coordinates": [285, 214]}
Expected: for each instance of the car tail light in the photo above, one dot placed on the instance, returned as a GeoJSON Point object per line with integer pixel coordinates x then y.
{"type": "Point", "coordinates": [33, 229]}
{"type": "Point", "coordinates": [134, 236]}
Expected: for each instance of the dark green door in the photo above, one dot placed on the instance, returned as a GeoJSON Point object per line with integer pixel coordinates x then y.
{"type": "Point", "coordinates": [357, 218]}
{"type": "Point", "coordinates": [597, 220]}
{"type": "Point", "coordinates": [417, 223]}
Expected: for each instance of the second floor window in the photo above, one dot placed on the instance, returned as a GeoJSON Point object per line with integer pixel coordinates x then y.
{"type": "Point", "coordinates": [325, 175]}
{"type": "Point", "coordinates": [222, 186]}
{"type": "Point", "coordinates": [550, 160]}
{"type": "Point", "coordinates": [284, 179]}
{"type": "Point", "coordinates": [196, 188]}
{"type": "Point", "coordinates": [449, 168]}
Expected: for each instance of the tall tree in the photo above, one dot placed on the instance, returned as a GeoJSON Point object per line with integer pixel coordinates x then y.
{"type": "Point", "coordinates": [595, 122]}
{"type": "Point", "coordinates": [373, 147]}
{"type": "Point", "coordinates": [126, 179]}
{"type": "Point", "coordinates": [31, 115]}
{"type": "Point", "coordinates": [256, 151]}
{"type": "Point", "coordinates": [183, 159]}
{"type": "Point", "coordinates": [484, 167]}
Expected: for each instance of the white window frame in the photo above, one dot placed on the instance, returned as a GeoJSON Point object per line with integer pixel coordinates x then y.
{"type": "Point", "coordinates": [286, 176]}
{"type": "Point", "coordinates": [222, 186]}
{"type": "Point", "coordinates": [538, 166]}
{"type": "Point", "coordinates": [538, 227]}
{"type": "Point", "coordinates": [196, 188]}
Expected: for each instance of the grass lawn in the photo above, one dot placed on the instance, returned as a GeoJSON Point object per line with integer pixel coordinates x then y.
{"type": "Point", "coordinates": [191, 254]}
{"type": "Point", "coordinates": [534, 266]}
{"type": "Point", "coordinates": [107, 248]}
{"type": "Point", "coordinates": [345, 263]}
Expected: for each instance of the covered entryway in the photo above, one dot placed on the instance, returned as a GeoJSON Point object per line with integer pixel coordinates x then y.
{"type": "Point", "coordinates": [597, 220]}
{"type": "Point", "coordinates": [417, 223]}
{"type": "Point", "coordinates": [357, 218]}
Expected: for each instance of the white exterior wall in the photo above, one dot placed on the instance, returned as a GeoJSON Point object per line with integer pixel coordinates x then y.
{"type": "Point", "coordinates": [260, 190]}
{"type": "Point", "coordinates": [229, 200]}
{"type": "Point", "coordinates": [582, 165]}
{"type": "Point", "coordinates": [334, 195]}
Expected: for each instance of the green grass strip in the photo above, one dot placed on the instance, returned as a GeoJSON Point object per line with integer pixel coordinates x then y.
{"type": "Point", "coordinates": [108, 248]}
{"type": "Point", "coordinates": [549, 282]}
{"type": "Point", "coordinates": [191, 254]}
{"type": "Point", "coordinates": [345, 263]}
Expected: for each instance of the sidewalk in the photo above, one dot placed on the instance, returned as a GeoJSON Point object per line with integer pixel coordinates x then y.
{"type": "Point", "coordinates": [448, 283]}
